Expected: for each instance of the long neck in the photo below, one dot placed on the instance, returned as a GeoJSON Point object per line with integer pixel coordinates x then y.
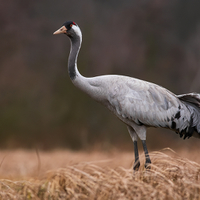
{"type": "Point", "coordinates": [72, 61]}
{"type": "Point", "coordinates": [88, 85]}
{"type": "Point", "coordinates": [78, 80]}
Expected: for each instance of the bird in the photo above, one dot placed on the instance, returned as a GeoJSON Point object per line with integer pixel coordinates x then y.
{"type": "Point", "coordinates": [137, 103]}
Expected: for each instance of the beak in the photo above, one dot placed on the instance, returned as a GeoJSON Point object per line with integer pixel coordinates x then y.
{"type": "Point", "coordinates": [60, 30]}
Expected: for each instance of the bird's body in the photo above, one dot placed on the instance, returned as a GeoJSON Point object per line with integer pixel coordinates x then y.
{"type": "Point", "coordinates": [139, 104]}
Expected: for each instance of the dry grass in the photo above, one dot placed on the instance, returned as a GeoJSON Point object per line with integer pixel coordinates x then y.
{"type": "Point", "coordinates": [170, 177]}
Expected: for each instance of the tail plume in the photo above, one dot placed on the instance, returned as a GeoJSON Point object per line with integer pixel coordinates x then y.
{"type": "Point", "coordinates": [192, 101]}
{"type": "Point", "coordinates": [192, 98]}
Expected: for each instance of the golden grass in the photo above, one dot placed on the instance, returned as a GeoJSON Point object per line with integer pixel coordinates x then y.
{"type": "Point", "coordinates": [170, 177]}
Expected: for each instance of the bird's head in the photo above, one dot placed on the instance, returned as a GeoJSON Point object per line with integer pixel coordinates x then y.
{"type": "Point", "coordinates": [69, 28]}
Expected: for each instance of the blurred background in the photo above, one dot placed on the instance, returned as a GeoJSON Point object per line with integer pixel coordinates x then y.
{"type": "Point", "coordinates": [157, 40]}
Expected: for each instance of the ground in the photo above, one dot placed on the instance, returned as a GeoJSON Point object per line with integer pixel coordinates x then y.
{"type": "Point", "coordinates": [65, 174]}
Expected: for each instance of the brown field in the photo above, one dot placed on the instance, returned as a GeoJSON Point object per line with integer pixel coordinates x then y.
{"type": "Point", "coordinates": [63, 174]}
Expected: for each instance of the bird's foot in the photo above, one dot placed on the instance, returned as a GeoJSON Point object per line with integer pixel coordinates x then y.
{"type": "Point", "coordinates": [136, 165]}
{"type": "Point", "coordinates": [148, 164]}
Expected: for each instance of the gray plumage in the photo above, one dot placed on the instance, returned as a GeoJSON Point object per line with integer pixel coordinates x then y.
{"type": "Point", "coordinates": [139, 104]}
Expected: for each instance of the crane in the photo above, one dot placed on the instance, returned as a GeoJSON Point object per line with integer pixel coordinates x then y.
{"type": "Point", "coordinates": [137, 103]}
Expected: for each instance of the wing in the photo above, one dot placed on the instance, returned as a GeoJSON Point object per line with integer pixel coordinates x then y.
{"type": "Point", "coordinates": [148, 104]}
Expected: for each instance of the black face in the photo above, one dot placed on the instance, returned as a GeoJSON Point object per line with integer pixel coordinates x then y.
{"type": "Point", "coordinates": [69, 24]}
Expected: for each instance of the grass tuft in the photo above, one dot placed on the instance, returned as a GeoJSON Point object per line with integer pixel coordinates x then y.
{"type": "Point", "coordinates": [170, 177]}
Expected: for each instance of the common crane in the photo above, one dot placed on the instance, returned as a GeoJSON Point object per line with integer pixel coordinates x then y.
{"type": "Point", "coordinates": [137, 103]}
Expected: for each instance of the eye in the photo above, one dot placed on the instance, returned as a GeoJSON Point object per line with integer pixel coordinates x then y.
{"type": "Point", "coordinates": [71, 25]}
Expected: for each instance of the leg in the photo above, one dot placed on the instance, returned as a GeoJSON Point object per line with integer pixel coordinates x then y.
{"type": "Point", "coordinates": [148, 160]}
{"type": "Point", "coordinates": [141, 132]}
{"type": "Point", "coordinates": [137, 161]}
{"type": "Point", "coordinates": [134, 138]}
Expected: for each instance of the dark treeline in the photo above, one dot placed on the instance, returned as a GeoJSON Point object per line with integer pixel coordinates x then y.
{"type": "Point", "coordinates": [158, 41]}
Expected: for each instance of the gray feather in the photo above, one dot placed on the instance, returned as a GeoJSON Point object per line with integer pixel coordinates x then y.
{"type": "Point", "coordinates": [140, 103]}
{"type": "Point", "coordinates": [192, 102]}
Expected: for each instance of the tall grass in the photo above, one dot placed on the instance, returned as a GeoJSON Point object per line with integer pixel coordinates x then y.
{"type": "Point", "coordinates": [170, 177]}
